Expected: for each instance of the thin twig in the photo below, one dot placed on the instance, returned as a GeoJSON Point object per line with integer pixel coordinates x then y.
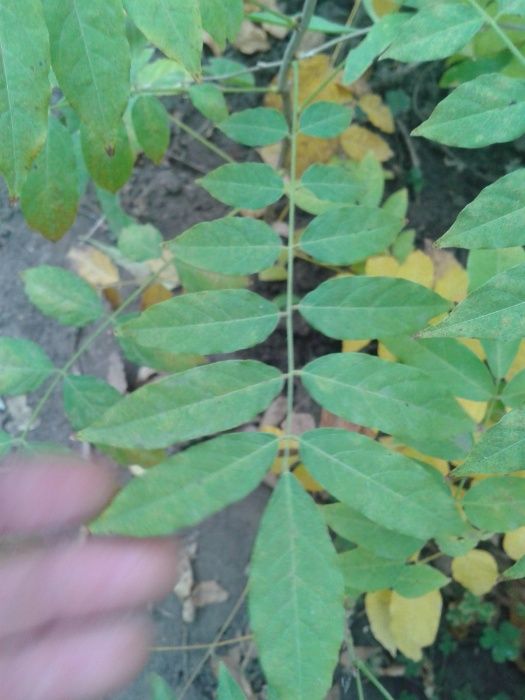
{"type": "Point", "coordinates": [333, 42]}
{"type": "Point", "coordinates": [499, 31]}
{"type": "Point", "coordinates": [202, 140]}
{"type": "Point", "coordinates": [197, 647]}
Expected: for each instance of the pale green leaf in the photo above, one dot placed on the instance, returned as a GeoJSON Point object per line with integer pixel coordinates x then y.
{"type": "Point", "coordinates": [355, 527]}
{"type": "Point", "coordinates": [191, 404]}
{"type": "Point", "coordinates": [193, 279]}
{"type": "Point", "coordinates": [349, 234]}
{"type": "Point", "coordinates": [23, 366]}
{"type": "Point", "coordinates": [6, 442]}
{"type": "Point", "coordinates": [244, 185]}
{"type": "Point", "coordinates": [61, 294]}
{"type": "Point", "coordinates": [228, 687]}
{"type": "Point", "coordinates": [367, 307]}
{"type": "Point", "coordinates": [369, 172]}
{"type": "Point", "coordinates": [230, 72]}
{"type": "Point", "coordinates": [50, 194]}
{"type": "Point", "coordinates": [484, 264]}
{"type": "Point", "coordinates": [205, 322]}
{"type": "Point", "coordinates": [397, 204]}
{"type": "Point", "coordinates": [373, 45]}
{"type": "Point", "coordinates": [418, 580]}
{"type": "Point", "coordinates": [325, 119]}
{"type": "Point", "coordinates": [489, 109]}
{"type": "Point", "coordinates": [152, 127]}
{"type": "Point", "coordinates": [116, 217]}
{"type": "Point", "coordinates": [388, 488]}
{"type": "Point", "coordinates": [190, 486]}
{"type": "Point", "coordinates": [396, 399]}
{"type": "Point", "coordinates": [162, 75]}
{"type": "Point", "coordinates": [210, 102]}
{"type": "Point", "coordinates": [260, 126]}
{"type": "Point", "coordinates": [500, 355]}
{"type": "Point", "coordinates": [500, 450]}
{"type": "Point", "coordinates": [24, 88]}
{"type": "Point", "coordinates": [173, 26]}
{"type": "Point", "coordinates": [512, 7]}
{"type": "Point", "coordinates": [513, 395]}
{"type": "Point", "coordinates": [437, 31]}
{"type": "Point", "coordinates": [86, 398]}
{"type": "Point", "coordinates": [91, 59]}
{"type": "Point", "coordinates": [296, 596]}
{"type": "Point", "coordinates": [110, 169]}
{"type": "Point", "coordinates": [222, 19]}
{"type": "Point", "coordinates": [495, 310]}
{"type": "Point", "coordinates": [160, 689]}
{"type": "Point", "coordinates": [233, 245]}
{"type": "Point", "coordinates": [449, 363]}
{"type": "Point", "coordinates": [365, 571]}
{"type": "Point", "coordinates": [494, 219]}
{"type": "Point", "coordinates": [516, 571]}
{"type": "Point", "coordinates": [140, 242]}
{"type": "Point", "coordinates": [496, 504]}
{"type": "Point", "coordinates": [332, 183]}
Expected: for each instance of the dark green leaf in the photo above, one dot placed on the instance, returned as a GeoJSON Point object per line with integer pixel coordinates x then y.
{"type": "Point", "coordinates": [140, 242]}
{"type": "Point", "coordinates": [325, 119]}
{"type": "Point", "coordinates": [233, 245]}
{"type": "Point", "coordinates": [50, 194]}
{"type": "Point", "coordinates": [400, 400]}
{"type": "Point", "coordinates": [332, 183]}
{"type": "Point", "coordinates": [367, 307]}
{"type": "Point", "coordinates": [210, 102]}
{"type": "Point", "coordinates": [261, 126]}
{"type": "Point", "coordinates": [23, 366]}
{"type": "Point", "coordinates": [244, 185]}
{"type": "Point", "coordinates": [109, 168]}
{"type": "Point", "coordinates": [152, 127]}
{"type": "Point", "coordinates": [64, 296]}
{"type": "Point", "coordinates": [86, 398]}
{"type": "Point", "coordinates": [388, 488]}
{"type": "Point", "coordinates": [24, 88]}
{"type": "Point", "coordinates": [222, 19]}
{"type": "Point", "coordinates": [200, 401]}
{"type": "Point", "coordinates": [190, 486]}
{"type": "Point", "coordinates": [496, 504]}
{"type": "Point", "coordinates": [296, 596]}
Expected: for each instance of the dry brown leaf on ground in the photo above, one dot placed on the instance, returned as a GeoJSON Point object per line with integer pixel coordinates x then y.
{"type": "Point", "coordinates": [94, 266]}
{"type": "Point", "coordinates": [154, 294]}
{"type": "Point", "coordinates": [208, 593]}
{"type": "Point", "coordinates": [385, 7]}
{"type": "Point", "coordinates": [329, 420]}
{"type": "Point", "coordinates": [357, 141]}
{"type": "Point", "coordinates": [251, 39]}
{"type": "Point", "coordinates": [378, 112]}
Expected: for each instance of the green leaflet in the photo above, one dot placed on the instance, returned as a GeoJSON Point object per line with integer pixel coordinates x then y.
{"type": "Point", "coordinates": [397, 204]}
{"type": "Point", "coordinates": [437, 31]}
{"type": "Point", "coordinates": [160, 689]}
{"type": "Point", "coordinates": [61, 294]}
{"type": "Point", "coordinates": [162, 75]}
{"type": "Point", "coordinates": [230, 72]}
{"type": "Point", "coordinates": [484, 264]}
{"type": "Point", "coordinates": [494, 219]}
{"type": "Point", "coordinates": [296, 596]}
{"type": "Point", "coordinates": [495, 310]}
{"type": "Point", "coordinates": [5, 443]}
{"type": "Point", "coordinates": [496, 504]}
{"type": "Point", "coordinates": [152, 127]}
{"type": "Point", "coordinates": [332, 183]}
{"type": "Point", "coordinates": [388, 488]}
{"type": "Point", "coordinates": [244, 185]}
{"type": "Point", "coordinates": [24, 88]}
{"type": "Point", "coordinates": [261, 126]}
{"type": "Point", "coordinates": [112, 209]}
{"type": "Point", "coordinates": [23, 366]}
{"type": "Point", "coordinates": [228, 687]}
{"type": "Point", "coordinates": [489, 109]}
{"type": "Point", "coordinates": [110, 169]}
{"type": "Point", "coordinates": [366, 307]}
{"type": "Point", "coordinates": [499, 355]}
{"type": "Point", "coordinates": [205, 322]}
{"type": "Point", "coordinates": [140, 242]}
{"type": "Point", "coordinates": [516, 571]}
{"type": "Point", "coordinates": [396, 399]}
{"type": "Point", "coordinates": [198, 402]}
{"type": "Point", "coordinates": [449, 363]}
{"type": "Point", "coordinates": [513, 394]}
{"type": "Point", "coordinates": [210, 102]}
{"type": "Point", "coordinates": [512, 7]}
{"type": "Point", "coordinates": [222, 19]}
{"type": "Point", "coordinates": [86, 398]}
{"type": "Point", "coordinates": [83, 36]}
{"type": "Point", "coordinates": [349, 234]}
{"type": "Point", "coordinates": [193, 279]}
{"type": "Point", "coordinates": [500, 450]}
{"type": "Point", "coordinates": [418, 580]}
{"type": "Point", "coordinates": [376, 41]}
{"type": "Point", "coordinates": [50, 194]}
{"type": "Point", "coordinates": [190, 486]}
{"type": "Point", "coordinates": [325, 119]}
{"type": "Point", "coordinates": [233, 245]}
{"type": "Point", "coordinates": [153, 357]}
{"type": "Point", "coordinates": [357, 528]}
{"type": "Point", "coordinates": [174, 26]}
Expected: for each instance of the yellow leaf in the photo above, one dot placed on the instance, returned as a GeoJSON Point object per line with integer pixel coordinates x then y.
{"type": "Point", "coordinates": [358, 141]}
{"type": "Point", "coordinates": [453, 283]}
{"type": "Point", "coordinates": [477, 571]}
{"type": "Point", "coordinates": [306, 479]}
{"type": "Point", "coordinates": [377, 607]}
{"type": "Point", "coordinates": [385, 7]}
{"type": "Point", "coordinates": [354, 345]}
{"type": "Point", "coordinates": [414, 622]}
{"type": "Point", "coordinates": [439, 464]}
{"type": "Point", "coordinates": [418, 267]}
{"type": "Point", "coordinates": [313, 150]}
{"type": "Point", "coordinates": [474, 345]}
{"type": "Point", "coordinates": [381, 266]}
{"type": "Point", "coordinates": [377, 112]}
{"type": "Point", "coordinates": [94, 266]}
{"type": "Point", "coordinates": [514, 543]}
{"type": "Point", "coordinates": [154, 294]}
{"type": "Point", "coordinates": [518, 363]}
{"type": "Point", "coordinates": [384, 353]}
{"type": "Point", "coordinates": [475, 409]}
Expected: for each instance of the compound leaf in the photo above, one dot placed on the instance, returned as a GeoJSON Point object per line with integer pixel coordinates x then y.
{"type": "Point", "coordinates": [244, 185]}
{"type": "Point", "coordinates": [198, 402]}
{"type": "Point", "coordinates": [296, 595]}
{"type": "Point", "coordinates": [222, 19]}
{"type": "Point", "coordinates": [261, 126]}
{"type": "Point", "coordinates": [496, 504]}
{"type": "Point", "coordinates": [152, 127]}
{"type": "Point", "coordinates": [190, 486]}
{"type": "Point", "coordinates": [23, 366]}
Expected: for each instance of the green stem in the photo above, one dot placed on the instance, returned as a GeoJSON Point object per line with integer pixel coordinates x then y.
{"type": "Point", "coordinates": [361, 666]}
{"type": "Point", "coordinates": [202, 140]}
{"type": "Point", "coordinates": [499, 31]}
{"type": "Point", "coordinates": [285, 18]}
{"type": "Point", "coordinates": [290, 256]}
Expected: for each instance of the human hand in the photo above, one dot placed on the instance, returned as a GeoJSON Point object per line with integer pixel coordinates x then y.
{"type": "Point", "coordinates": [72, 613]}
